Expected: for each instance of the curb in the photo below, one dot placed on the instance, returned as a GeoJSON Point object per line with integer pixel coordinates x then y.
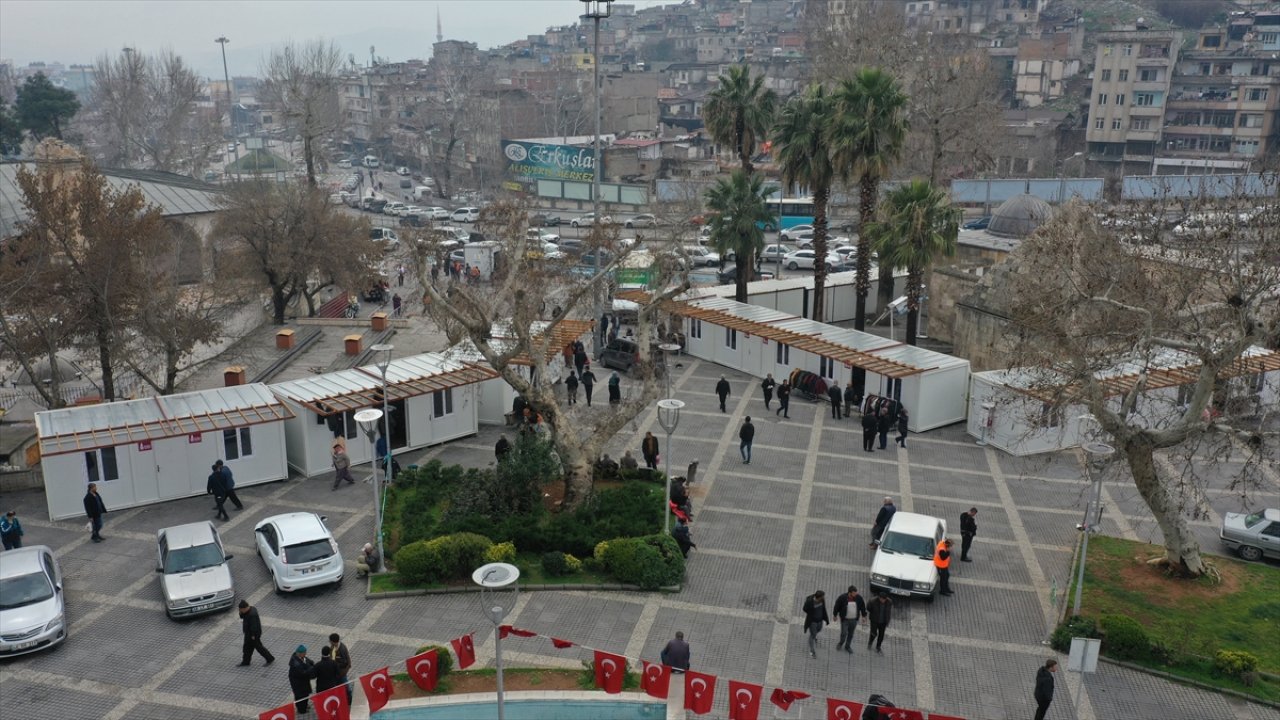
{"type": "Point", "coordinates": [608, 587]}
{"type": "Point", "coordinates": [1188, 681]}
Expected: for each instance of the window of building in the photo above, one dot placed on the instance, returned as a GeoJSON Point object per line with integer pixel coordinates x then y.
{"type": "Point", "coordinates": [1247, 147]}
{"type": "Point", "coordinates": [1211, 41]}
{"type": "Point", "coordinates": [1251, 120]}
{"type": "Point", "coordinates": [1106, 76]}
{"type": "Point", "coordinates": [1148, 75]}
{"type": "Point", "coordinates": [101, 465]}
{"type": "Point", "coordinates": [1099, 124]}
{"type": "Point", "coordinates": [1119, 98]}
{"type": "Point", "coordinates": [1124, 75]}
{"type": "Point", "coordinates": [731, 338]}
{"type": "Point", "coordinates": [826, 367]}
{"type": "Point", "coordinates": [1256, 94]}
{"type": "Point", "coordinates": [1269, 38]}
{"type": "Point", "coordinates": [783, 353]}
{"type": "Point", "coordinates": [1126, 50]}
{"type": "Point", "coordinates": [1144, 99]}
{"type": "Point", "coordinates": [1115, 124]}
{"type": "Point", "coordinates": [695, 328]}
{"type": "Point", "coordinates": [1140, 123]}
{"type": "Point", "coordinates": [443, 402]}
{"type": "Point", "coordinates": [1050, 416]}
{"type": "Point", "coordinates": [1102, 98]}
{"type": "Point", "coordinates": [237, 443]}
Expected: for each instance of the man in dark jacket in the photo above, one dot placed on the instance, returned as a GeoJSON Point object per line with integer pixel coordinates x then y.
{"type": "Point", "coordinates": [501, 448]}
{"type": "Point", "coordinates": [571, 387]}
{"type": "Point", "coordinates": [94, 508]}
{"type": "Point", "coordinates": [301, 670]}
{"type": "Point", "coordinates": [767, 386]}
{"type": "Point", "coordinates": [815, 616]}
{"type": "Point", "coordinates": [968, 528]}
{"type": "Point", "coordinates": [879, 613]}
{"type": "Point", "coordinates": [848, 616]}
{"type": "Point", "coordinates": [217, 487]}
{"type": "Point", "coordinates": [745, 437]}
{"type": "Point", "coordinates": [784, 399]}
{"type": "Point", "coordinates": [649, 449]}
{"type": "Point", "coordinates": [676, 654]}
{"type": "Point", "coordinates": [883, 424]}
{"type": "Point", "coordinates": [882, 520]}
{"type": "Point", "coordinates": [833, 393]}
{"type": "Point", "coordinates": [902, 427]}
{"type": "Point", "coordinates": [588, 382]}
{"type": "Point", "coordinates": [229, 481]}
{"type": "Point", "coordinates": [251, 624]}
{"type": "Point", "coordinates": [722, 389]}
{"type": "Point", "coordinates": [517, 408]}
{"type": "Point", "coordinates": [327, 673]}
{"type": "Point", "coordinates": [682, 537]}
{"type": "Point", "coordinates": [338, 650]}
{"type": "Point", "coordinates": [580, 358]}
{"type": "Point", "coordinates": [615, 389]}
{"type": "Point", "coordinates": [868, 431]}
{"type": "Point", "coordinates": [851, 399]}
{"type": "Point", "coordinates": [1044, 687]}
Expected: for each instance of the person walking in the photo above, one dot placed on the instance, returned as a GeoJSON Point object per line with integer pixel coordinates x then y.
{"type": "Point", "coordinates": [676, 654]}
{"type": "Point", "coordinates": [368, 561]}
{"type": "Point", "coordinates": [338, 651]}
{"type": "Point", "coordinates": [229, 481]}
{"type": "Point", "coordinates": [251, 625]}
{"type": "Point", "coordinates": [217, 487]}
{"type": "Point", "coordinates": [649, 449]}
{"type": "Point", "coordinates": [784, 399]}
{"type": "Point", "coordinates": [11, 531]}
{"type": "Point", "coordinates": [1044, 687]}
{"type": "Point", "coordinates": [942, 561]}
{"type": "Point", "coordinates": [887, 509]}
{"type": "Point", "coordinates": [837, 399]}
{"type": "Point", "coordinates": [902, 427]}
{"type": "Point", "coordinates": [883, 424]}
{"type": "Point", "coordinates": [615, 389]}
{"type": "Point", "coordinates": [766, 386]}
{"type": "Point", "coordinates": [968, 528]}
{"type": "Point", "coordinates": [341, 466]}
{"type": "Point", "coordinates": [94, 508]}
{"type": "Point", "coordinates": [400, 274]}
{"type": "Point", "coordinates": [580, 358]}
{"type": "Point", "coordinates": [501, 448]}
{"type": "Point", "coordinates": [301, 671]}
{"type": "Point", "coordinates": [722, 389]}
{"type": "Point", "coordinates": [571, 387]}
{"type": "Point", "coordinates": [745, 436]}
{"type": "Point", "coordinates": [868, 431]}
{"type": "Point", "coordinates": [815, 616]}
{"type": "Point", "coordinates": [851, 399]}
{"type": "Point", "coordinates": [588, 382]}
{"type": "Point", "coordinates": [604, 329]}
{"type": "Point", "coordinates": [878, 614]}
{"type": "Point", "coordinates": [683, 537]}
{"type": "Point", "coordinates": [848, 616]}
{"type": "Point", "coordinates": [397, 302]}
{"type": "Point", "coordinates": [327, 674]}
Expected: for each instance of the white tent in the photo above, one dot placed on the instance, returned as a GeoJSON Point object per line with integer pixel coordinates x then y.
{"type": "Point", "coordinates": [431, 398]}
{"type": "Point", "coordinates": [160, 448]}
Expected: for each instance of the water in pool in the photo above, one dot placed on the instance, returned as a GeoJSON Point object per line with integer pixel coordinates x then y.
{"type": "Point", "coordinates": [531, 710]}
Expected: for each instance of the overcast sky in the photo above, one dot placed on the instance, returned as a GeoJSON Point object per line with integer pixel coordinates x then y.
{"type": "Point", "coordinates": [77, 31]}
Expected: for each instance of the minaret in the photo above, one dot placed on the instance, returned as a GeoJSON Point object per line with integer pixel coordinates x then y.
{"type": "Point", "coordinates": [439, 27]}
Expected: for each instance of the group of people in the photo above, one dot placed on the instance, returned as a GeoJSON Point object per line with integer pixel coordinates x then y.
{"type": "Point", "coordinates": [331, 671]}
{"type": "Point", "coordinates": [942, 552]}
{"type": "Point", "coordinates": [880, 424]}
{"type": "Point", "coordinates": [222, 486]}
{"type": "Point", "coordinates": [581, 374]}
{"type": "Point", "coordinates": [849, 609]}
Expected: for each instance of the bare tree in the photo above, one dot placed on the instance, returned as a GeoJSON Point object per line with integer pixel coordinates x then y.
{"type": "Point", "coordinates": [301, 82]}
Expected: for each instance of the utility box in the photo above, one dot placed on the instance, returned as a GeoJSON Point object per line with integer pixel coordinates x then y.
{"type": "Point", "coordinates": [285, 339]}
{"type": "Point", "coordinates": [379, 321]}
{"type": "Point", "coordinates": [352, 344]}
{"type": "Point", "coordinates": [233, 375]}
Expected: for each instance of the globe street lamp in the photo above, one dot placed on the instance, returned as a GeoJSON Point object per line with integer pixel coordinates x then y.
{"type": "Point", "coordinates": [494, 579]}
{"type": "Point", "coordinates": [368, 419]}
{"type": "Point", "coordinates": [1096, 456]}
{"type": "Point", "coordinates": [597, 10]}
{"type": "Point", "coordinates": [668, 349]}
{"type": "Point", "coordinates": [669, 418]}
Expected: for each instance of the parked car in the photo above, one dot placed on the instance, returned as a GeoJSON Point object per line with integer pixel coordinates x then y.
{"type": "Point", "coordinates": [402, 170]}
{"type": "Point", "coordinates": [699, 255]}
{"type": "Point", "coordinates": [374, 204]}
{"type": "Point", "coordinates": [299, 551]}
{"type": "Point", "coordinates": [465, 214]}
{"type": "Point", "coordinates": [977, 224]}
{"type": "Point", "coordinates": [589, 219]}
{"type": "Point", "coordinates": [795, 232]}
{"type": "Point", "coordinates": [405, 183]}
{"type": "Point", "coordinates": [455, 233]}
{"type": "Point", "coordinates": [384, 235]}
{"type": "Point", "coordinates": [903, 564]}
{"type": "Point", "coordinates": [438, 213]}
{"type": "Point", "coordinates": [414, 220]}
{"type": "Point", "coordinates": [644, 220]}
{"type": "Point", "coordinates": [730, 275]}
{"type": "Point", "coordinates": [571, 245]}
{"type": "Point", "coordinates": [622, 354]}
{"type": "Point", "coordinates": [1254, 535]}
{"type": "Point", "coordinates": [544, 220]}
{"type": "Point", "coordinates": [195, 578]}
{"type": "Point", "coordinates": [393, 208]}
{"type": "Point", "coordinates": [807, 259]}
{"type": "Point", "coordinates": [33, 611]}
{"type": "Point", "coordinates": [535, 235]}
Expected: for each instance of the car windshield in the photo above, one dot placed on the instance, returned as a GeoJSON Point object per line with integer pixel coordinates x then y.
{"type": "Point", "coordinates": [23, 590]}
{"type": "Point", "coordinates": [908, 544]}
{"type": "Point", "coordinates": [1253, 519]}
{"type": "Point", "coordinates": [190, 559]}
{"type": "Point", "coordinates": [308, 551]}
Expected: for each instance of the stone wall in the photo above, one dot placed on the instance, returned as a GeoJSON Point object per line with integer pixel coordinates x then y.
{"type": "Point", "coordinates": [982, 338]}
{"type": "Point", "coordinates": [947, 286]}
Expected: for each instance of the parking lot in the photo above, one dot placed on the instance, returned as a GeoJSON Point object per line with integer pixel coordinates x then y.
{"type": "Point", "coordinates": [768, 534]}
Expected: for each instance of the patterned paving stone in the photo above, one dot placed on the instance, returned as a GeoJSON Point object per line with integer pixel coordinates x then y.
{"type": "Point", "coordinates": [732, 583]}
{"type": "Point", "coordinates": [37, 700]}
{"type": "Point", "coordinates": [719, 529]}
{"type": "Point", "coordinates": [751, 494]}
{"type": "Point", "coordinates": [595, 620]}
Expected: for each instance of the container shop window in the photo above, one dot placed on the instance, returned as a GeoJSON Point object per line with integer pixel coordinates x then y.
{"type": "Point", "coordinates": [1050, 416]}
{"type": "Point", "coordinates": [695, 328]}
{"type": "Point", "coordinates": [731, 338]}
{"type": "Point", "coordinates": [826, 367]}
{"type": "Point", "coordinates": [443, 402]}
{"type": "Point", "coordinates": [237, 443]}
{"type": "Point", "coordinates": [101, 465]}
{"type": "Point", "coordinates": [783, 354]}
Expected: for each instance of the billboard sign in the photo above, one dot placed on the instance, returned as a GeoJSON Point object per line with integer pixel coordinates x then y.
{"type": "Point", "coordinates": [549, 162]}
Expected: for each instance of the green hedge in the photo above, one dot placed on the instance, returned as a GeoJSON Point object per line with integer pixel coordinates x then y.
{"type": "Point", "coordinates": [1073, 627]}
{"type": "Point", "coordinates": [1124, 638]}
{"type": "Point", "coordinates": [449, 557]}
{"type": "Point", "coordinates": [651, 561]}
{"type": "Point", "coordinates": [444, 658]}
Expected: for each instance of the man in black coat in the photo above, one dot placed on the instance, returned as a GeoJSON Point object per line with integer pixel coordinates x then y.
{"type": "Point", "coordinates": [681, 535]}
{"type": "Point", "coordinates": [580, 358]}
{"type": "Point", "coordinates": [327, 673]}
{"type": "Point", "coordinates": [501, 448]}
{"type": "Point", "coordinates": [588, 382]}
{"type": "Point", "coordinates": [301, 670]}
{"type": "Point", "coordinates": [868, 431]}
{"type": "Point", "coordinates": [883, 424]}
{"type": "Point", "coordinates": [649, 449]}
{"type": "Point", "coordinates": [784, 399]}
{"type": "Point", "coordinates": [815, 616]}
{"type": "Point", "coordinates": [745, 437]}
{"type": "Point", "coordinates": [848, 617]}
{"type": "Point", "coordinates": [517, 408]}
{"type": "Point", "coordinates": [94, 509]}
{"type": "Point", "coordinates": [767, 385]}
{"type": "Point", "coordinates": [251, 624]}
{"type": "Point", "coordinates": [230, 481]}
{"type": "Point", "coordinates": [722, 389]}
{"type": "Point", "coordinates": [342, 658]}
{"type": "Point", "coordinates": [851, 399]}
{"type": "Point", "coordinates": [882, 520]}
{"type": "Point", "coordinates": [837, 398]}
{"type": "Point", "coordinates": [571, 388]}
{"type": "Point", "coordinates": [217, 487]}
{"type": "Point", "coordinates": [1044, 687]}
{"type": "Point", "coordinates": [902, 427]}
{"type": "Point", "coordinates": [879, 613]}
{"type": "Point", "coordinates": [968, 528]}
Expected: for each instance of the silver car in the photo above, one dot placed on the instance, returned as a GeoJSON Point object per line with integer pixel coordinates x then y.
{"type": "Point", "coordinates": [299, 551]}
{"type": "Point", "coordinates": [1252, 536]}
{"type": "Point", "coordinates": [33, 612]}
{"type": "Point", "coordinates": [194, 576]}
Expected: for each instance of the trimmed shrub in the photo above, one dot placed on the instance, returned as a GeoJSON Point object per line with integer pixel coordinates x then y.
{"type": "Point", "coordinates": [598, 553]}
{"type": "Point", "coordinates": [444, 658]}
{"type": "Point", "coordinates": [448, 557]}
{"type": "Point", "coordinates": [501, 553]}
{"type": "Point", "coordinates": [555, 564]}
{"type": "Point", "coordinates": [1124, 638]}
{"type": "Point", "coordinates": [650, 561]}
{"type": "Point", "coordinates": [418, 562]}
{"type": "Point", "coordinates": [1073, 627]}
{"type": "Point", "coordinates": [573, 563]}
{"type": "Point", "coordinates": [1235, 664]}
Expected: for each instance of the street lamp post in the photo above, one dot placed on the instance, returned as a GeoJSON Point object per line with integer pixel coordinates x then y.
{"type": "Point", "coordinates": [493, 580]}
{"type": "Point", "coordinates": [668, 349]}
{"type": "Point", "coordinates": [231, 115]}
{"type": "Point", "coordinates": [383, 352]}
{"type": "Point", "coordinates": [1062, 179]}
{"type": "Point", "coordinates": [597, 10]}
{"type": "Point", "coordinates": [1096, 456]}
{"type": "Point", "coordinates": [669, 418]}
{"type": "Point", "coordinates": [368, 419]}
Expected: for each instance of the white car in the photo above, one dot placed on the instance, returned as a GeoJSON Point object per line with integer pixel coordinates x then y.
{"type": "Point", "coordinates": [438, 213]}
{"type": "Point", "coordinates": [402, 170]}
{"type": "Point", "coordinates": [796, 232]}
{"type": "Point", "coordinates": [806, 259]}
{"type": "Point", "coordinates": [454, 233]}
{"type": "Point", "coordinates": [392, 208]}
{"type": "Point", "coordinates": [589, 219]}
{"type": "Point", "coordinates": [903, 564]}
{"type": "Point", "coordinates": [465, 214]}
{"type": "Point", "coordinates": [645, 220]}
{"type": "Point", "coordinates": [699, 255]}
{"type": "Point", "coordinates": [536, 235]}
{"type": "Point", "coordinates": [774, 252]}
{"type": "Point", "coordinates": [33, 611]}
{"type": "Point", "coordinates": [299, 551]}
{"type": "Point", "coordinates": [194, 576]}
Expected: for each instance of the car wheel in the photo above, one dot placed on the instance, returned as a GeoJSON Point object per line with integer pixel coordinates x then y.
{"type": "Point", "coordinates": [629, 225]}
{"type": "Point", "coordinates": [574, 224]}
{"type": "Point", "coordinates": [1250, 553]}
{"type": "Point", "coordinates": [793, 266]}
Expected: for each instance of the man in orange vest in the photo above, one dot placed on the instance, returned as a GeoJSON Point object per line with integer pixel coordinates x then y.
{"type": "Point", "coordinates": [942, 561]}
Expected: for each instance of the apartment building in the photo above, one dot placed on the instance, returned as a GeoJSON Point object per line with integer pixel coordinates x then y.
{"type": "Point", "coordinates": [1132, 74]}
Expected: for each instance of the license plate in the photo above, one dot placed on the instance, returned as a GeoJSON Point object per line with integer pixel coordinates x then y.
{"type": "Point", "coordinates": [25, 645]}
{"type": "Point", "coordinates": [899, 591]}
{"type": "Point", "coordinates": [200, 608]}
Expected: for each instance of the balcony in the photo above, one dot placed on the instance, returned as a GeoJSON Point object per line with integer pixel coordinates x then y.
{"type": "Point", "coordinates": [1151, 111]}
{"type": "Point", "coordinates": [1142, 135]}
{"type": "Point", "coordinates": [1202, 130]}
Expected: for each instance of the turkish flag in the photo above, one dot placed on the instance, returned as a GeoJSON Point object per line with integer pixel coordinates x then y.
{"type": "Point", "coordinates": [610, 671]}
{"type": "Point", "coordinates": [744, 700]}
{"type": "Point", "coordinates": [699, 691]}
{"type": "Point", "coordinates": [504, 630]}
{"type": "Point", "coordinates": [284, 712]}
{"type": "Point", "coordinates": [332, 704]}
{"type": "Point", "coordinates": [377, 687]}
{"type": "Point", "coordinates": [784, 698]}
{"type": "Point", "coordinates": [656, 680]}
{"type": "Point", "coordinates": [900, 714]}
{"type": "Point", "coordinates": [843, 709]}
{"type": "Point", "coordinates": [424, 670]}
{"type": "Point", "coordinates": [561, 644]}
{"type": "Point", "coordinates": [465, 650]}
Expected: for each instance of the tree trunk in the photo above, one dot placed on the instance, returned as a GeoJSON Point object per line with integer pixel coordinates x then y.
{"type": "Point", "coordinates": [1182, 550]}
{"type": "Point", "coordinates": [279, 301]}
{"type": "Point", "coordinates": [914, 276]}
{"type": "Point", "coordinates": [741, 278]}
{"type": "Point", "coordinates": [740, 136]}
{"type": "Point", "coordinates": [311, 161]}
{"type": "Point", "coordinates": [866, 208]}
{"type": "Point", "coordinates": [171, 355]}
{"type": "Point", "coordinates": [821, 193]}
{"type": "Point", "coordinates": [885, 293]}
{"type": "Point", "coordinates": [105, 361]}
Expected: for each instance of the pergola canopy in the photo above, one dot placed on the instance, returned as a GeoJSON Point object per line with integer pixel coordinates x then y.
{"type": "Point", "coordinates": [347, 390]}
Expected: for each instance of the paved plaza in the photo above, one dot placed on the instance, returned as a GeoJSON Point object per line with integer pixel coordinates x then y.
{"type": "Point", "coordinates": [796, 519]}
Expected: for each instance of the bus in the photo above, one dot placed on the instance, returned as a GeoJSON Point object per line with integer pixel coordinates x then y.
{"type": "Point", "coordinates": [790, 212]}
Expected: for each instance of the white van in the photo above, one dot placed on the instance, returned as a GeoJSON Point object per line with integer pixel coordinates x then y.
{"type": "Point", "coordinates": [370, 161]}
{"type": "Point", "coordinates": [422, 191]}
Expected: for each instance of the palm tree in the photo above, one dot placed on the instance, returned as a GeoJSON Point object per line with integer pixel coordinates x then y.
{"type": "Point", "coordinates": [739, 112]}
{"type": "Point", "coordinates": [739, 209]}
{"type": "Point", "coordinates": [803, 151]}
{"type": "Point", "coordinates": [866, 135]}
{"type": "Point", "coordinates": [916, 224]}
